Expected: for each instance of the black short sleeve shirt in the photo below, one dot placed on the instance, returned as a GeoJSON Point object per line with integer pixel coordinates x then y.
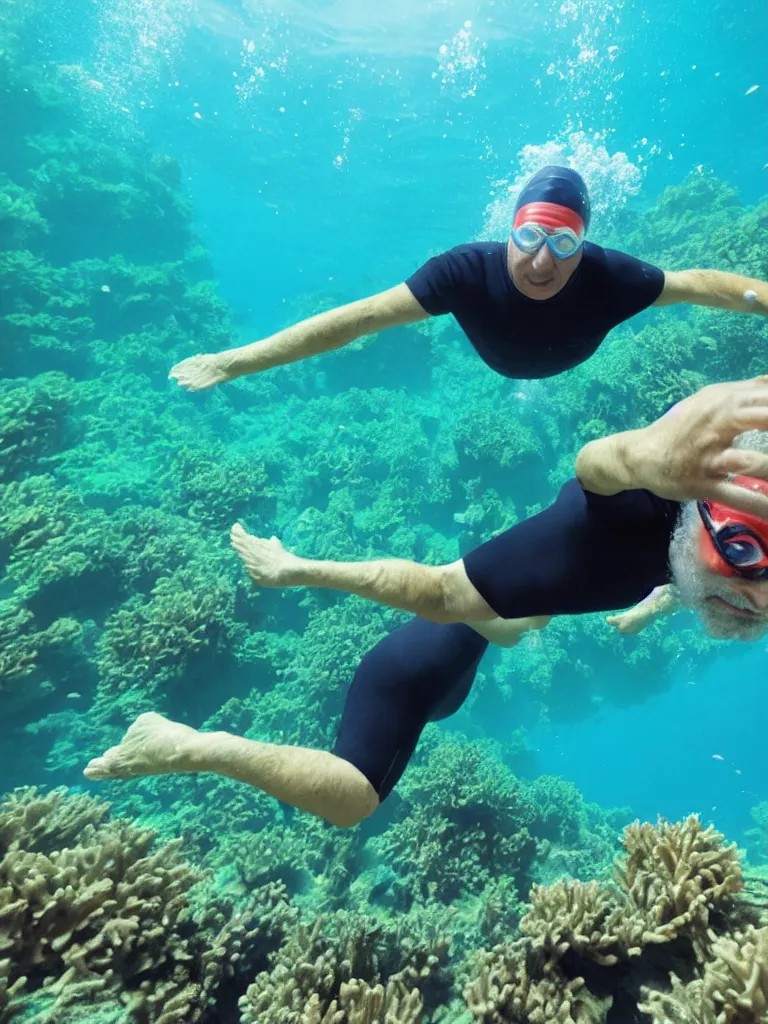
{"type": "Point", "coordinates": [529, 338]}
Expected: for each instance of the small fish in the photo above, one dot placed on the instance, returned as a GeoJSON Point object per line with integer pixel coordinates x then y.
{"type": "Point", "coordinates": [106, 288]}
{"type": "Point", "coordinates": [752, 88]}
{"type": "Point", "coordinates": [73, 696]}
{"type": "Point", "coordinates": [738, 771]}
{"type": "Point", "coordinates": [718, 757]}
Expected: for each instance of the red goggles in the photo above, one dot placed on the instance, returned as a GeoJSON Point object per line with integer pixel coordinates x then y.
{"type": "Point", "coordinates": [735, 543]}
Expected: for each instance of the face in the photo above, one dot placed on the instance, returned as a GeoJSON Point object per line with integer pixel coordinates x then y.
{"type": "Point", "coordinates": [540, 275]}
{"type": "Point", "coordinates": [730, 608]}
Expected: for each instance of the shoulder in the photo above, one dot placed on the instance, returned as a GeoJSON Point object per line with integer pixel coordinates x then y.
{"type": "Point", "coordinates": [631, 284]}
{"type": "Point", "coordinates": [456, 276]}
{"type": "Point", "coordinates": [624, 268]}
{"type": "Point", "coordinates": [632, 508]}
{"type": "Point", "coordinates": [475, 255]}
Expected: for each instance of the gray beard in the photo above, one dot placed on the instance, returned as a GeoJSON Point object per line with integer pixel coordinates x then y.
{"type": "Point", "coordinates": [695, 585]}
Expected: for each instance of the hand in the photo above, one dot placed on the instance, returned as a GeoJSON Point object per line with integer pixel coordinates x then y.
{"type": "Point", "coordinates": [688, 454]}
{"type": "Point", "coordinates": [632, 621]}
{"type": "Point", "coordinates": [200, 372]}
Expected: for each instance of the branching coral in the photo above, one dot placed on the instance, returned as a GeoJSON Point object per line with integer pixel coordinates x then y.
{"type": "Point", "coordinates": [149, 644]}
{"type": "Point", "coordinates": [89, 911]}
{"type": "Point", "coordinates": [590, 947]}
{"type": "Point", "coordinates": [467, 819]}
{"type": "Point", "coordinates": [343, 971]}
{"type": "Point", "coordinates": [215, 487]}
{"type": "Point", "coordinates": [506, 991]}
{"type": "Point", "coordinates": [33, 422]}
{"type": "Point", "coordinates": [733, 989]}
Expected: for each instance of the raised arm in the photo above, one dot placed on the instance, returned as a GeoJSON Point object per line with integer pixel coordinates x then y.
{"type": "Point", "coordinates": [714, 288]}
{"type": "Point", "coordinates": [321, 333]}
{"type": "Point", "coordinates": [688, 453]}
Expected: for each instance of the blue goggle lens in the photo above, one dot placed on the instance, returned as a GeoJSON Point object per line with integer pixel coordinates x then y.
{"type": "Point", "coordinates": [562, 243]}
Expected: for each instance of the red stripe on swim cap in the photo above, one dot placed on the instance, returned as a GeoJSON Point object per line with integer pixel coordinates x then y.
{"type": "Point", "coordinates": [549, 215]}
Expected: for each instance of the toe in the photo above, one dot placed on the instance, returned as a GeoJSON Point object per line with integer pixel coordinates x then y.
{"type": "Point", "coordinates": [97, 769]}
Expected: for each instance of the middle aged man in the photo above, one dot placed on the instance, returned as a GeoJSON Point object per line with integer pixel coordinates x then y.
{"type": "Point", "coordinates": [683, 501]}
{"type": "Point", "coordinates": [533, 306]}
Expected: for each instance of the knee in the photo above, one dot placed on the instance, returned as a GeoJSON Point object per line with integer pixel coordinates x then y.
{"type": "Point", "coordinates": [352, 812]}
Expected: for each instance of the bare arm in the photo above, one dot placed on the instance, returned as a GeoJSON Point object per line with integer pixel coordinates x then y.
{"type": "Point", "coordinates": [688, 453]}
{"type": "Point", "coordinates": [321, 333]}
{"type": "Point", "coordinates": [660, 602]}
{"type": "Point", "coordinates": [714, 288]}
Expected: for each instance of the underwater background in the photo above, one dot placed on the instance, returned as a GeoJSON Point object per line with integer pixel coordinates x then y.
{"type": "Point", "coordinates": [179, 177]}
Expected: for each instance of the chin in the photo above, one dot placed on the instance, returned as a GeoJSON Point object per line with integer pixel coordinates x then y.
{"type": "Point", "coordinates": [722, 626]}
{"type": "Point", "coordinates": [549, 292]}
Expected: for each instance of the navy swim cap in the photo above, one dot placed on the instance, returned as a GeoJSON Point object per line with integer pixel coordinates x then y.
{"type": "Point", "coordinates": [557, 193]}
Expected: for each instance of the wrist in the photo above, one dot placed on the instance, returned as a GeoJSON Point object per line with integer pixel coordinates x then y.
{"type": "Point", "coordinates": [608, 465]}
{"type": "Point", "coordinates": [231, 363]}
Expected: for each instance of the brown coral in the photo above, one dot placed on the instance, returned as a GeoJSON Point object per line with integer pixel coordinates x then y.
{"type": "Point", "coordinates": [513, 987]}
{"type": "Point", "coordinates": [675, 886]}
{"type": "Point", "coordinates": [673, 875]}
{"type": "Point", "coordinates": [574, 915]}
{"type": "Point", "coordinates": [108, 917]}
{"type": "Point", "coordinates": [733, 989]}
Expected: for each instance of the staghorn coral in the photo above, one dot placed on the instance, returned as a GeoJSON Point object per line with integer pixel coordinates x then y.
{"type": "Point", "coordinates": [215, 487]}
{"type": "Point", "coordinates": [148, 644]}
{"type": "Point", "coordinates": [578, 916]}
{"type": "Point", "coordinates": [591, 952]}
{"type": "Point", "coordinates": [91, 913]}
{"type": "Point", "coordinates": [674, 875]}
{"type": "Point", "coordinates": [466, 819]}
{"type": "Point", "coordinates": [733, 989]}
{"type": "Point", "coordinates": [365, 1004]}
{"type": "Point", "coordinates": [342, 970]}
{"type": "Point", "coordinates": [508, 991]}
{"type": "Point", "coordinates": [43, 822]}
{"type": "Point", "coordinates": [27, 653]}
{"type": "Point", "coordinates": [33, 422]}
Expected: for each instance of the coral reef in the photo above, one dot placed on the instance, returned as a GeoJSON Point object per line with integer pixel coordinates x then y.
{"type": "Point", "coordinates": [91, 912]}
{"type": "Point", "coordinates": [118, 593]}
{"type": "Point", "coordinates": [595, 953]}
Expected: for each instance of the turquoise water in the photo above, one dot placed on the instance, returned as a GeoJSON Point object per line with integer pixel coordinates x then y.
{"type": "Point", "coordinates": [179, 177]}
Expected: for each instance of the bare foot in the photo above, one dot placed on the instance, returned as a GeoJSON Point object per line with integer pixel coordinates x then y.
{"type": "Point", "coordinates": [266, 561]}
{"type": "Point", "coordinates": [153, 745]}
{"type": "Point", "coordinates": [200, 372]}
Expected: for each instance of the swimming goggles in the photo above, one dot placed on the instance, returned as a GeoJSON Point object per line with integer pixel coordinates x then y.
{"type": "Point", "coordinates": [741, 544]}
{"type": "Point", "coordinates": [563, 242]}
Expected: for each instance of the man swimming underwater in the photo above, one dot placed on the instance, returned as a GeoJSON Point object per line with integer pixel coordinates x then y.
{"type": "Point", "coordinates": [683, 501]}
{"type": "Point", "coordinates": [533, 306]}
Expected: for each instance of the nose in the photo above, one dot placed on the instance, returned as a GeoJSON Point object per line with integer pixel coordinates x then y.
{"type": "Point", "coordinates": [543, 260]}
{"type": "Point", "coordinates": [755, 593]}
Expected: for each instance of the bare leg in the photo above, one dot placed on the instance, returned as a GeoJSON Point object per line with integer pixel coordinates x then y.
{"type": "Point", "coordinates": [440, 593]}
{"type": "Point", "coordinates": [507, 632]}
{"type": "Point", "coordinates": [312, 780]}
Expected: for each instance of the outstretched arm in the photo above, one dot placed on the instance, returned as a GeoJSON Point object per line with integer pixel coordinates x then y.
{"type": "Point", "coordinates": [688, 454]}
{"type": "Point", "coordinates": [714, 288]}
{"type": "Point", "coordinates": [322, 333]}
{"type": "Point", "coordinates": [660, 602]}
{"type": "Point", "coordinates": [440, 593]}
